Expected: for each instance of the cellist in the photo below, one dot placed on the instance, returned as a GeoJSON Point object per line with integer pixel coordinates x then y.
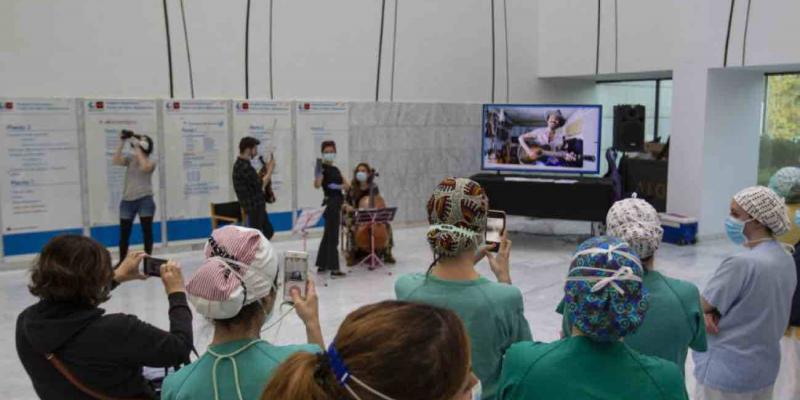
{"type": "Point", "coordinates": [363, 192]}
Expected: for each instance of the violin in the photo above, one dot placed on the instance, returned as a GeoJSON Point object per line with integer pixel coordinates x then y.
{"type": "Point", "coordinates": [365, 232]}
{"type": "Point", "coordinates": [269, 194]}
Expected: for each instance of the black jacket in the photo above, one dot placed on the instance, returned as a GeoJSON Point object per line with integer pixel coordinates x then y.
{"type": "Point", "coordinates": [105, 352]}
{"type": "Point", "coordinates": [247, 185]}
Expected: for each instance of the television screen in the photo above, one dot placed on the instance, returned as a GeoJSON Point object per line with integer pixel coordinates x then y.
{"type": "Point", "coordinates": [541, 138]}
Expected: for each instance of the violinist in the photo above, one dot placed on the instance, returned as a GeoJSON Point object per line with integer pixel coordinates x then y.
{"type": "Point", "coordinates": [363, 193]}
{"type": "Point", "coordinates": [328, 178]}
{"type": "Point", "coordinates": [250, 185]}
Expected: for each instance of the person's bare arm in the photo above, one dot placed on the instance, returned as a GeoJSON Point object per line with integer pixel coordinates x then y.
{"type": "Point", "coordinates": [118, 159]}
{"type": "Point", "coordinates": [145, 165]}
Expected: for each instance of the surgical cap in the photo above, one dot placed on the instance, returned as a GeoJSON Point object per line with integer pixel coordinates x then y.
{"type": "Point", "coordinates": [604, 296]}
{"type": "Point", "coordinates": [457, 213]}
{"type": "Point", "coordinates": [766, 207]}
{"type": "Point", "coordinates": [786, 182]}
{"type": "Point", "coordinates": [636, 222]}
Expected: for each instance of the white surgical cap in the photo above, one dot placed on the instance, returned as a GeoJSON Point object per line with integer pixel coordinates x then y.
{"type": "Point", "coordinates": [766, 207]}
{"type": "Point", "coordinates": [636, 222]}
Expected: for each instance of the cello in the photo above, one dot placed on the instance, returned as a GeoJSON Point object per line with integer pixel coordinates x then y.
{"type": "Point", "coordinates": [365, 232]}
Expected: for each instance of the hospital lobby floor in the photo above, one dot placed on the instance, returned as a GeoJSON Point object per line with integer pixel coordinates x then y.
{"type": "Point", "coordinates": [539, 265]}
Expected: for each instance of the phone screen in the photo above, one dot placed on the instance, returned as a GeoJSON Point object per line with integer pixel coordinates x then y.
{"type": "Point", "coordinates": [151, 266]}
{"type": "Point", "coordinates": [295, 273]}
{"type": "Point", "coordinates": [495, 224]}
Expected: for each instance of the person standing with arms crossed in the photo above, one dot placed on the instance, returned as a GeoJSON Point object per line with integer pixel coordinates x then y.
{"type": "Point", "coordinates": [137, 193]}
{"type": "Point", "coordinates": [249, 187]}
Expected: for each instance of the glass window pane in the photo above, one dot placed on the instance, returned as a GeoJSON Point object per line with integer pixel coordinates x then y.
{"type": "Point", "coordinates": [780, 139]}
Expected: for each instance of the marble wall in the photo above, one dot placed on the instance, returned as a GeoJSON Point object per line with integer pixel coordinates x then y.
{"type": "Point", "coordinates": [413, 146]}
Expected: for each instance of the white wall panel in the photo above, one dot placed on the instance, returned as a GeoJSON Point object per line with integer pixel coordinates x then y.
{"type": "Point", "coordinates": [773, 33]}
{"type": "Point", "coordinates": [608, 37]}
{"type": "Point", "coordinates": [83, 48]}
{"type": "Point", "coordinates": [736, 40]}
{"type": "Point", "coordinates": [444, 51]}
{"type": "Point", "coordinates": [567, 37]}
{"type": "Point", "coordinates": [525, 86]}
{"type": "Point", "coordinates": [326, 50]}
{"type": "Point", "coordinates": [216, 41]}
{"type": "Point", "coordinates": [646, 35]}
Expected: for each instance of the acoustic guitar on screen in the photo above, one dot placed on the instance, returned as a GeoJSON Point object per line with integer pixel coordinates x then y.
{"type": "Point", "coordinates": [538, 153]}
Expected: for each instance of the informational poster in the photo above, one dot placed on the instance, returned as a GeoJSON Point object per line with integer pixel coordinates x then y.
{"type": "Point", "coordinates": [39, 163]}
{"type": "Point", "coordinates": [271, 123]}
{"type": "Point", "coordinates": [198, 163]}
{"type": "Point", "coordinates": [316, 123]}
{"type": "Point", "coordinates": [104, 120]}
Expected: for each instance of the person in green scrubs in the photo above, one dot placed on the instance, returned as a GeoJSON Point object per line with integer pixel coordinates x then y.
{"type": "Point", "coordinates": [604, 301]}
{"type": "Point", "coordinates": [493, 312]}
{"type": "Point", "coordinates": [236, 289]}
{"type": "Point", "coordinates": [675, 321]}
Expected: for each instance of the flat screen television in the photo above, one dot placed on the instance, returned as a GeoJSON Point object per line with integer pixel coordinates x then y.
{"type": "Point", "coordinates": [545, 138]}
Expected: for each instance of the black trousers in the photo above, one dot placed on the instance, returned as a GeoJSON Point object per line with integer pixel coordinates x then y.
{"type": "Point", "coordinates": [257, 218]}
{"type": "Point", "coordinates": [328, 255]}
{"type": "Point", "coordinates": [125, 228]}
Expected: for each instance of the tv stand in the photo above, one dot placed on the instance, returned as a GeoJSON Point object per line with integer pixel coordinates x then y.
{"type": "Point", "coordinates": [575, 198]}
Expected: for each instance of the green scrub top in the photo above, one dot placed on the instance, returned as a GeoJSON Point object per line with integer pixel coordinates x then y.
{"type": "Point", "coordinates": [492, 313]}
{"type": "Point", "coordinates": [580, 368]}
{"type": "Point", "coordinates": [255, 365]}
{"type": "Point", "coordinates": [673, 323]}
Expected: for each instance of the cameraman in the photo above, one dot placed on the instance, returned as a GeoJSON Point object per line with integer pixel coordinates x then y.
{"type": "Point", "coordinates": [137, 195]}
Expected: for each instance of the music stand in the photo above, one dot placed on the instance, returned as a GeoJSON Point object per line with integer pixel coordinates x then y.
{"type": "Point", "coordinates": [370, 217]}
{"type": "Point", "coordinates": [308, 218]}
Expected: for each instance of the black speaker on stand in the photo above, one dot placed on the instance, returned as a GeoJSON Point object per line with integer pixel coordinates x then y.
{"type": "Point", "coordinates": [629, 127]}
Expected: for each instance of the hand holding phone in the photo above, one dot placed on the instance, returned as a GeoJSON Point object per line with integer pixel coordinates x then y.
{"type": "Point", "coordinates": [318, 168]}
{"type": "Point", "coordinates": [295, 274]}
{"type": "Point", "coordinates": [495, 226]}
{"type": "Point", "coordinates": [151, 266]}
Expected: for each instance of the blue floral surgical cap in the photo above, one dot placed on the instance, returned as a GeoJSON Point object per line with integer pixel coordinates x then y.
{"type": "Point", "coordinates": [604, 296]}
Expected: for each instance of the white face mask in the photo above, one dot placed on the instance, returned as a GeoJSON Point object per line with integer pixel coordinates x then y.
{"type": "Point", "coordinates": [477, 391]}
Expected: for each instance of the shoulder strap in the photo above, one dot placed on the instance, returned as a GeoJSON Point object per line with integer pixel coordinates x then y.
{"type": "Point", "coordinates": [61, 368]}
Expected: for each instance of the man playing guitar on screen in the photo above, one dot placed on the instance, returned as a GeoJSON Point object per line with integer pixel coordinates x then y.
{"type": "Point", "coordinates": [548, 141]}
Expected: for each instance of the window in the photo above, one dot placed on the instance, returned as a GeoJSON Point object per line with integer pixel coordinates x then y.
{"type": "Point", "coordinates": [656, 97]}
{"type": "Point", "coordinates": [780, 136]}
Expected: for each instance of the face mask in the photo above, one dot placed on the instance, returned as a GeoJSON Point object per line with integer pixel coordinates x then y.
{"type": "Point", "coordinates": [477, 391]}
{"type": "Point", "coordinates": [735, 230]}
{"type": "Point", "coordinates": [797, 218]}
{"type": "Point", "coordinates": [361, 176]}
{"type": "Point", "coordinates": [329, 157]}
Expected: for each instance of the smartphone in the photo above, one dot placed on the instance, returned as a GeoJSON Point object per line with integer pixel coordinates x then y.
{"type": "Point", "coordinates": [295, 273]}
{"type": "Point", "coordinates": [151, 266]}
{"type": "Point", "coordinates": [495, 225]}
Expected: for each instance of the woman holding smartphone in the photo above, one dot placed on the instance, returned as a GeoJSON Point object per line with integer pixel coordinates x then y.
{"type": "Point", "coordinates": [72, 349]}
{"type": "Point", "coordinates": [236, 288]}
{"type": "Point", "coordinates": [332, 182]}
{"type": "Point", "coordinates": [492, 311]}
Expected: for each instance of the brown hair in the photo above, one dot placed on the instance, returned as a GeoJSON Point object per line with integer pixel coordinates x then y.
{"type": "Point", "coordinates": [403, 350]}
{"type": "Point", "coordinates": [327, 143]}
{"type": "Point", "coordinates": [72, 268]}
{"type": "Point", "coordinates": [248, 142]}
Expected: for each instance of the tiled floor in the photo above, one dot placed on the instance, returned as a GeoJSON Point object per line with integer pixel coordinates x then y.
{"type": "Point", "coordinates": [539, 264]}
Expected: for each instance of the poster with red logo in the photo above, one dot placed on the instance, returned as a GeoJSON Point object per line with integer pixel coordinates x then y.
{"type": "Point", "coordinates": [39, 160]}
{"type": "Point", "coordinates": [271, 123]}
{"type": "Point", "coordinates": [104, 121]}
{"type": "Point", "coordinates": [316, 123]}
{"type": "Point", "coordinates": [198, 160]}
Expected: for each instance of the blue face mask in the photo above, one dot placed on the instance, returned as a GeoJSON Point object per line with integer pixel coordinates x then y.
{"type": "Point", "coordinates": [329, 157]}
{"type": "Point", "coordinates": [797, 218]}
{"type": "Point", "coordinates": [361, 176]}
{"type": "Point", "coordinates": [735, 230]}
